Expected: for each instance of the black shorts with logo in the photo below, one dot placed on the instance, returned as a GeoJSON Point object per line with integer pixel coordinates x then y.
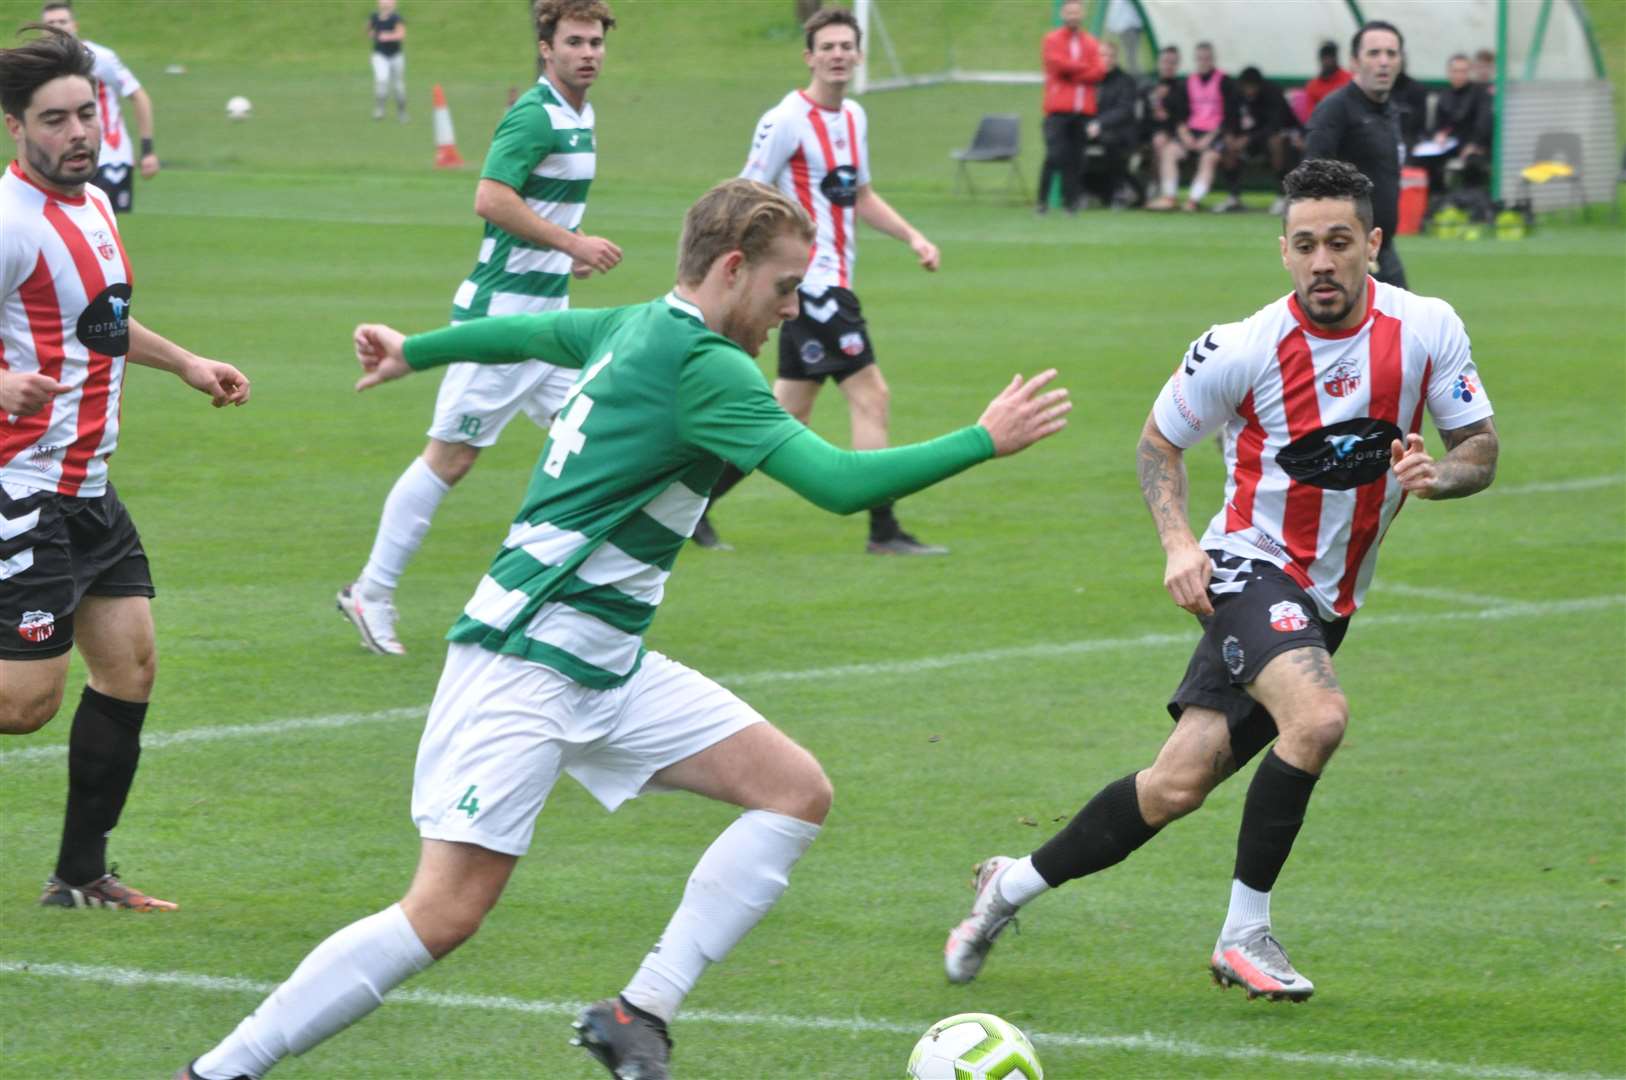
{"type": "Point", "coordinates": [118, 181]}
{"type": "Point", "coordinates": [828, 338]}
{"type": "Point", "coordinates": [1270, 614]}
{"type": "Point", "coordinates": [71, 547]}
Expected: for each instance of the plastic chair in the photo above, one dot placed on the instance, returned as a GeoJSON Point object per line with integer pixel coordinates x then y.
{"type": "Point", "coordinates": [998, 138]}
{"type": "Point", "coordinates": [1557, 157]}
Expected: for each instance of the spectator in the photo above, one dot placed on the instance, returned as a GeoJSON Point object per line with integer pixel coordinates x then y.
{"type": "Point", "coordinates": [1361, 125]}
{"type": "Point", "coordinates": [387, 31]}
{"type": "Point", "coordinates": [1158, 99]}
{"type": "Point", "coordinates": [1411, 98]}
{"type": "Point", "coordinates": [1485, 70]}
{"type": "Point", "coordinates": [1458, 141]}
{"type": "Point", "coordinates": [1210, 110]}
{"type": "Point", "coordinates": [1332, 77]}
{"type": "Point", "coordinates": [1123, 20]}
{"type": "Point", "coordinates": [1113, 130]}
{"type": "Point", "coordinates": [1072, 70]}
{"type": "Point", "coordinates": [1263, 123]}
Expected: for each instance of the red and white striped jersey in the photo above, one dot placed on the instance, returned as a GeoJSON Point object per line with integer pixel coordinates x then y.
{"type": "Point", "coordinates": [64, 312]}
{"type": "Point", "coordinates": [114, 82]}
{"type": "Point", "coordinates": [820, 158]}
{"type": "Point", "coordinates": [1308, 415]}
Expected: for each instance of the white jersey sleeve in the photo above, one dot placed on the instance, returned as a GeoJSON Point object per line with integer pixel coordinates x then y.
{"type": "Point", "coordinates": [861, 127]}
{"type": "Point", "coordinates": [112, 70]}
{"type": "Point", "coordinates": [1455, 396]}
{"type": "Point", "coordinates": [1208, 386]}
{"type": "Point", "coordinates": [772, 145]}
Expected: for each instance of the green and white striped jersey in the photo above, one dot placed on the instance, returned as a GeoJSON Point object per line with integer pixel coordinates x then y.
{"type": "Point", "coordinates": [629, 462]}
{"type": "Point", "coordinates": [544, 150]}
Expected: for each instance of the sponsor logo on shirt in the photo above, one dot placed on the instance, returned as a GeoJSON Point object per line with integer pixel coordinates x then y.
{"type": "Point", "coordinates": [1186, 413]}
{"type": "Point", "coordinates": [36, 626]}
{"type": "Point", "coordinates": [1287, 616]}
{"type": "Point", "coordinates": [1465, 389]}
{"type": "Point", "coordinates": [840, 185]}
{"type": "Point", "coordinates": [1343, 380]}
{"type": "Point", "coordinates": [1234, 657]}
{"type": "Point", "coordinates": [1340, 456]}
{"type": "Point", "coordinates": [852, 343]}
{"type": "Point", "coordinates": [104, 325]}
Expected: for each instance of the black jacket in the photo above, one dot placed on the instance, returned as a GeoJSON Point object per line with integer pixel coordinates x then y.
{"type": "Point", "coordinates": [1349, 126]}
{"type": "Point", "coordinates": [1116, 99]}
{"type": "Point", "coordinates": [1268, 111]}
{"type": "Point", "coordinates": [1466, 114]}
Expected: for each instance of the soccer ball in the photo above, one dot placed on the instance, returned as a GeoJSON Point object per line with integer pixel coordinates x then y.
{"type": "Point", "coordinates": [974, 1046]}
{"type": "Point", "coordinates": [239, 108]}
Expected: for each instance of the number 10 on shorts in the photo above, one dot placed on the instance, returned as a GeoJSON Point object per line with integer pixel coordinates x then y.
{"type": "Point", "coordinates": [468, 803]}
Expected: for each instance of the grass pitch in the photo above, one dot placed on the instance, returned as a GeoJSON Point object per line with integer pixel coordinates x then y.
{"type": "Point", "coordinates": [1456, 893]}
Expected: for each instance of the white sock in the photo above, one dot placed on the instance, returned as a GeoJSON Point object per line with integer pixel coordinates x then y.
{"type": "Point", "coordinates": [1171, 188]}
{"type": "Point", "coordinates": [1021, 882]}
{"type": "Point", "coordinates": [1199, 188]}
{"type": "Point", "coordinates": [342, 980]}
{"type": "Point", "coordinates": [1249, 912]}
{"type": "Point", "coordinates": [408, 510]}
{"type": "Point", "coordinates": [742, 874]}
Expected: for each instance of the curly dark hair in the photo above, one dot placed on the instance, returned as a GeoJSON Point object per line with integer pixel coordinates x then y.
{"type": "Point", "coordinates": [1324, 178]}
{"type": "Point", "coordinates": [34, 63]}
{"type": "Point", "coordinates": [549, 13]}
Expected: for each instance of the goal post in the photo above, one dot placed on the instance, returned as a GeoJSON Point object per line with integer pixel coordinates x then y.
{"type": "Point", "coordinates": [921, 43]}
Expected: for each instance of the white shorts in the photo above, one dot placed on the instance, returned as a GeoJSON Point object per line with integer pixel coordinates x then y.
{"type": "Point", "coordinates": [501, 729]}
{"type": "Point", "coordinates": [387, 69]}
{"type": "Point", "coordinates": [476, 401]}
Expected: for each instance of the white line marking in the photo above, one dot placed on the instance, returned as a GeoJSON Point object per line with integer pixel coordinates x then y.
{"type": "Point", "coordinates": [1450, 596]}
{"type": "Point", "coordinates": [1147, 1042]}
{"type": "Point", "coordinates": [1585, 483]}
{"type": "Point", "coordinates": [1040, 651]}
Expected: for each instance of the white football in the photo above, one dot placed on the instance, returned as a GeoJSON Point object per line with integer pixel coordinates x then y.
{"type": "Point", "coordinates": [239, 108]}
{"type": "Point", "coordinates": [974, 1046]}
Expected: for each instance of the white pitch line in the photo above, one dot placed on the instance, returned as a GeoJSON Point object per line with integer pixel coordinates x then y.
{"type": "Point", "coordinates": [919, 665]}
{"type": "Point", "coordinates": [1450, 596]}
{"type": "Point", "coordinates": [1146, 1042]}
{"type": "Point", "coordinates": [1584, 483]}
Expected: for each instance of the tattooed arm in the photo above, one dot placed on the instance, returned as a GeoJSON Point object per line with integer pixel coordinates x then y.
{"type": "Point", "coordinates": [1469, 465]}
{"type": "Point", "coordinates": [1162, 469]}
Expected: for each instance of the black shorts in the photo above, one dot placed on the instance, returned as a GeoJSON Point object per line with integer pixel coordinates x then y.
{"type": "Point", "coordinates": [1270, 614]}
{"type": "Point", "coordinates": [828, 338]}
{"type": "Point", "coordinates": [74, 547]}
{"type": "Point", "coordinates": [119, 183]}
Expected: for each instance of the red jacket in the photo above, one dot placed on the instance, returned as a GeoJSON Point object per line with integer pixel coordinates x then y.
{"type": "Point", "coordinates": [1070, 81]}
{"type": "Point", "coordinates": [1318, 88]}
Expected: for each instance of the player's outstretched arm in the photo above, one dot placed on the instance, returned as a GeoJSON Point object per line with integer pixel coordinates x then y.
{"type": "Point", "coordinates": [562, 338]}
{"type": "Point", "coordinates": [381, 352]}
{"type": "Point", "coordinates": [224, 384]}
{"type": "Point", "coordinates": [1162, 469]}
{"type": "Point", "coordinates": [1469, 465]}
{"type": "Point", "coordinates": [1020, 415]}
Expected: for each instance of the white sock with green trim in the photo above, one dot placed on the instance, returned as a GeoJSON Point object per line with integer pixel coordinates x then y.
{"type": "Point", "coordinates": [742, 874]}
{"type": "Point", "coordinates": [342, 980]}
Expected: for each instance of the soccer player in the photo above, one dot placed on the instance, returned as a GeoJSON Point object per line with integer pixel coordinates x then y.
{"type": "Point", "coordinates": [113, 81]}
{"type": "Point", "coordinates": [813, 146]}
{"type": "Point", "coordinates": [1320, 397]}
{"type": "Point", "coordinates": [547, 671]}
{"type": "Point", "coordinates": [533, 196]}
{"type": "Point", "coordinates": [72, 567]}
{"type": "Point", "coordinates": [387, 31]}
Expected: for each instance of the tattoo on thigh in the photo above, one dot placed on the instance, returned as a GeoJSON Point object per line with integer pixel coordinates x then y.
{"type": "Point", "coordinates": [1317, 666]}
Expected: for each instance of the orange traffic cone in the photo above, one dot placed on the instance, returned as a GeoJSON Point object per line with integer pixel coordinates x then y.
{"type": "Point", "coordinates": [446, 155]}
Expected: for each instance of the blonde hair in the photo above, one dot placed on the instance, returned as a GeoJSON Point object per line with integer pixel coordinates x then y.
{"type": "Point", "coordinates": [736, 215]}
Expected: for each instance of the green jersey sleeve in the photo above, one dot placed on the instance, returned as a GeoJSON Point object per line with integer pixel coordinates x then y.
{"type": "Point", "coordinates": [726, 409]}
{"type": "Point", "coordinates": [845, 481]}
{"type": "Point", "coordinates": [562, 338]}
{"type": "Point", "coordinates": [523, 138]}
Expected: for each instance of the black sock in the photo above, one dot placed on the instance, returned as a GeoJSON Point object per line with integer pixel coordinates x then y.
{"type": "Point", "coordinates": [103, 749]}
{"type": "Point", "coordinates": [725, 483]}
{"type": "Point", "coordinates": [1271, 817]}
{"type": "Point", "coordinates": [1101, 835]}
{"type": "Point", "coordinates": [883, 523]}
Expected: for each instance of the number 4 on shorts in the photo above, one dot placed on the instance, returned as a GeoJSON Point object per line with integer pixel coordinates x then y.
{"type": "Point", "coordinates": [468, 803]}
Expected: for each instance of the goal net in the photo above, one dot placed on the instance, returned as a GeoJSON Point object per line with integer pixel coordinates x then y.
{"type": "Point", "coordinates": [928, 42]}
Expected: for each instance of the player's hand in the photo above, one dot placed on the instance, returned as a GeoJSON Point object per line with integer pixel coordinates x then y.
{"type": "Point", "coordinates": [149, 166]}
{"type": "Point", "coordinates": [1413, 467]}
{"type": "Point", "coordinates": [24, 393]}
{"type": "Point", "coordinates": [1020, 416]}
{"type": "Point", "coordinates": [1186, 575]}
{"type": "Point", "coordinates": [579, 270]}
{"type": "Point", "coordinates": [224, 384]}
{"type": "Point", "coordinates": [381, 353]}
{"type": "Point", "coordinates": [595, 253]}
{"type": "Point", "coordinates": [926, 252]}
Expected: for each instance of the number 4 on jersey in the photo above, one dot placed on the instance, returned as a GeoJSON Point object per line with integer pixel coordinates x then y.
{"type": "Point", "coordinates": [565, 436]}
{"type": "Point", "coordinates": [468, 803]}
